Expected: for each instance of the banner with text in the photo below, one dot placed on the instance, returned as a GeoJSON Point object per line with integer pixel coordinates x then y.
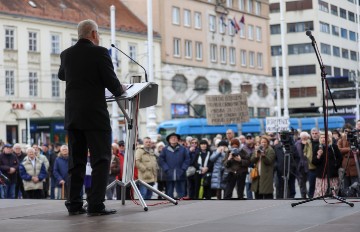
{"type": "Point", "coordinates": [275, 124]}
{"type": "Point", "coordinates": [226, 109]}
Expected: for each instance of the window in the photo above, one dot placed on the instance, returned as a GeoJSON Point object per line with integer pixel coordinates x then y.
{"type": "Point", "coordinates": [231, 28]}
{"type": "Point", "coordinates": [345, 53]}
{"type": "Point", "coordinates": [302, 70]}
{"type": "Point", "coordinates": [176, 47]}
{"type": "Point", "coordinates": [187, 18]}
{"type": "Point", "coordinates": [188, 49]}
{"type": "Point", "coordinates": [176, 15]}
{"type": "Point", "coordinates": [229, 3]}
{"type": "Point", "coordinates": [335, 30]}
{"type": "Point", "coordinates": [33, 41]}
{"type": "Point", "coordinates": [325, 48]}
{"type": "Point", "coordinates": [213, 53]}
{"type": "Point", "coordinates": [241, 4]}
{"type": "Point", "coordinates": [351, 16]}
{"type": "Point", "coordinates": [300, 48]}
{"type": "Point", "coordinates": [337, 71]}
{"type": "Point", "coordinates": [259, 60]}
{"type": "Point", "coordinates": [274, 71]}
{"type": "Point", "coordinates": [251, 32]}
{"type": "Point", "coordinates": [179, 83]}
{"type": "Point", "coordinates": [246, 87]}
{"type": "Point", "coordinates": [345, 72]}
{"type": "Point", "coordinates": [275, 7]}
{"type": "Point", "coordinates": [199, 50]}
{"type": "Point", "coordinates": [9, 38]}
{"type": "Point", "coordinates": [9, 83]}
{"type": "Point", "coordinates": [258, 8]}
{"type": "Point", "coordinates": [352, 35]}
{"type": "Point", "coordinates": [276, 50]}
{"type": "Point", "coordinates": [353, 55]}
{"type": "Point", "coordinates": [302, 92]}
{"type": "Point", "coordinates": [201, 85]}
{"type": "Point", "coordinates": [300, 26]}
{"type": "Point", "coordinates": [252, 59]}
{"type": "Point", "coordinates": [55, 44]}
{"type": "Point", "coordinates": [242, 31]}
{"type": "Point", "coordinates": [55, 85]}
{"type": "Point", "coordinates": [224, 86]}
{"type": "Point", "coordinates": [197, 20]}
{"type": "Point", "coordinates": [243, 57]}
{"type": "Point", "coordinates": [251, 112]}
{"type": "Point", "coordinates": [275, 29]}
{"type": "Point", "coordinates": [324, 27]}
{"type": "Point", "coordinates": [132, 52]}
{"type": "Point", "coordinates": [232, 55]}
{"type": "Point", "coordinates": [323, 6]}
{"type": "Point", "coordinates": [33, 84]}
{"type": "Point", "coordinates": [223, 54]}
{"type": "Point", "coordinates": [336, 51]}
{"type": "Point", "coordinates": [212, 23]}
{"type": "Point", "coordinates": [258, 34]}
{"type": "Point", "coordinates": [342, 13]}
{"type": "Point", "coordinates": [262, 90]}
{"type": "Point", "coordinates": [263, 112]}
{"type": "Point", "coordinates": [222, 25]}
{"type": "Point", "coordinates": [344, 33]}
{"type": "Point", "coordinates": [250, 6]}
{"type": "Point", "coordinates": [334, 10]}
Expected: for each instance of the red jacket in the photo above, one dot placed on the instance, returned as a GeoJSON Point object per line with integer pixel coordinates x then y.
{"type": "Point", "coordinates": [121, 159]}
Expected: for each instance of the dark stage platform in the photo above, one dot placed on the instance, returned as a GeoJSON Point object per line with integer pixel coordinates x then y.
{"type": "Point", "coordinates": [192, 216]}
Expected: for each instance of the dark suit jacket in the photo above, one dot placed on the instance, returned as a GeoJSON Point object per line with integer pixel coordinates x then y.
{"type": "Point", "coordinates": [87, 70]}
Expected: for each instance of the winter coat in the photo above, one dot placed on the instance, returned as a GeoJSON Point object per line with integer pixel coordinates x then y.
{"type": "Point", "coordinates": [264, 183]}
{"type": "Point", "coordinates": [237, 166]}
{"type": "Point", "coordinates": [344, 148]}
{"type": "Point", "coordinates": [27, 171]}
{"type": "Point", "coordinates": [334, 162]}
{"type": "Point", "coordinates": [114, 166]}
{"type": "Point", "coordinates": [8, 161]}
{"type": "Point", "coordinates": [304, 153]}
{"type": "Point", "coordinates": [218, 170]}
{"type": "Point", "coordinates": [146, 164]}
{"type": "Point", "coordinates": [174, 161]}
{"type": "Point", "coordinates": [61, 169]}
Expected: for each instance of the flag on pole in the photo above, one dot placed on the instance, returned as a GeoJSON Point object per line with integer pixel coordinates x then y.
{"type": "Point", "coordinates": [242, 22]}
{"type": "Point", "coordinates": [222, 20]}
{"type": "Point", "coordinates": [233, 25]}
{"type": "Point", "coordinates": [237, 27]}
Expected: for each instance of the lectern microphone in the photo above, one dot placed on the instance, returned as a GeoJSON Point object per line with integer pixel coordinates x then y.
{"type": "Point", "coordinates": [308, 33]}
{"type": "Point", "coordinates": [112, 45]}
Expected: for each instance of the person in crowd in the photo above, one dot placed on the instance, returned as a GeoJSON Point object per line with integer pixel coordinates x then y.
{"type": "Point", "coordinates": [46, 162]}
{"type": "Point", "coordinates": [146, 163]}
{"type": "Point", "coordinates": [19, 187]}
{"type": "Point", "coordinates": [60, 173]}
{"type": "Point", "coordinates": [48, 154]}
{"type": "Point", "coordinates": [304, 149]}
{"type": "Point", "coordinates": [188, 140]}
{"type": "Point", "coordinates": [204, 167]}
{"type": "Point", "coordinates": [87, 69]}
{"type": "Point", "coordinates": [9, 164]}
{"type": "Point", "coordinates": [33, 172]}
{"type": "Point", "coordinates": [236, 163]}
{"type": "Point", "coordinates": [229, 135]}
{"type": "Point", "coordinates": [249, 147]}
{"type": "Point", "coordinates": [336, 136]}
{"type": "Point", "coordinates": [114, 170]}
{"type": "Point", "coordinates": [194, 149]}
{"type": "Point", "coordinates": [315, 135]}
{"type": "Point", "coordinates": [242, 140]}
{"type": "Point", "coordinates": [333, 160]}
{"type": "Point", "coordinates": [217, 177]}
{"type": "Point", "coordinates": [161, 176]}
{"type": "Point", "coordinates": [175, 160]}
{"type": "Point", "coordinates": [348, 161]}
{"type": "Point", "coordinates": [263, 158]}
{"type": "Point", "coordinates": [55, 154]}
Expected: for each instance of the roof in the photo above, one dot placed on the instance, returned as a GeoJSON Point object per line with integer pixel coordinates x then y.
{"type": "Point", "coordinates": [75, 11]}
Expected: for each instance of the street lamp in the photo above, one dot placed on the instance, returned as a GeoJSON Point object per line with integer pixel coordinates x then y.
{"type": "Point", "coordinates": [28, 107]}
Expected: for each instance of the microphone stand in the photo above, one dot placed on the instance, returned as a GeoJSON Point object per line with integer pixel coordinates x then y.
{"type": "Point", "coordinates": [330, 193]}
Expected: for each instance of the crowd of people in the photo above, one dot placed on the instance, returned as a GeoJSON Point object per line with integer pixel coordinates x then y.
{"type": "Point", "coordinates": [190, 168]}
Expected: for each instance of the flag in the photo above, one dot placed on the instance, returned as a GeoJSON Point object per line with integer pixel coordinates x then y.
{"type": "Point", "coordinates": [242, 22]}
{"type": "Point", "coordinates": [222, 20]}
{"type": "Point", "coordinates": [237, 27]}
{"type": "Point", "coordinates": [233, 25]}
{"type": "Point", "coordinates": [116, 56]}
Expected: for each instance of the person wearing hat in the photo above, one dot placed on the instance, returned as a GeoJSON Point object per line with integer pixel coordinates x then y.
{"type": "Point", "coordinates": [174, 159]}
{"type": "Point", "coordinates": [249, 147]}
{"type": "Point", "coordinates": [217, 157]}
{"type": "Point", "coordinates": [9, 164]}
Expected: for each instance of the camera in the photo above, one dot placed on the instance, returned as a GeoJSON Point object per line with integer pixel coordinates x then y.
{"type": "Point", "coordinates": [261, 149]}
{"type": "Point", "coordinates": [352, 137]}
{"type": "Point", "coordinates": [287, 140]}
{"type": "Point", "coordinates": [235, 152]}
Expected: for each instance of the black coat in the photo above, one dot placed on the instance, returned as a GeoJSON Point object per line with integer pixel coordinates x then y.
{"type": "Point", "coordinates": [87, 70]}
{"type": "Point", "coordinates": [334, 162]}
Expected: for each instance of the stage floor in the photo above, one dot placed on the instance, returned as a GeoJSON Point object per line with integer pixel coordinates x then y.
{"type": "Point", "coordinates": [192, 216]}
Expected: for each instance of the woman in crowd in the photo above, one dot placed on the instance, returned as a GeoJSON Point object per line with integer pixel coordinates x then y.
{"type": "Point", "coordinates": [161, 176]}
{"type": "Point", "coordinates": [263, 158]}
{"type": "Point", "coordinates": [333, 160]}
{"type": "Point", "coordinates": [217, 158]}
{"type": "Point", "coordinates": [33, 172]}
{"type": "Point", "coordinates": [193, 150]}
{"type": "Point", "coordinates": [114, 170]}
{"type": "Point", "coordinates": [61, 172]}
{"type": "Point", "coordinates": [203, 166]}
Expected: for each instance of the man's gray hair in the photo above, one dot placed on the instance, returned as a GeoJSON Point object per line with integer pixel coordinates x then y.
{"type": "Point", "coordinates": [85, 28]}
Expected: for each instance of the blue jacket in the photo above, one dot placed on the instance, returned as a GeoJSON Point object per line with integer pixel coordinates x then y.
{"type": "Point", "coordinates": [60, 169]}
{"type": "Point", "coordinates": [174, 162]}
{"type": "Point", "coordinates": [218, 170]}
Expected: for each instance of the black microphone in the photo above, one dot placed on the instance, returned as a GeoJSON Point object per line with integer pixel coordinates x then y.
{"type": "Point", "coordinates": [308, 33]}
{"type": "Point", "coordinates": [112, 45]}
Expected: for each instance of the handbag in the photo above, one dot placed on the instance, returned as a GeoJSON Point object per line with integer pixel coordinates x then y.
{"type": "Point", "coordinates": [254, 173]}
{"type": "Point", "coordinates": [207, 180]}
{"type": "Point", "coordinates": [190, 171]}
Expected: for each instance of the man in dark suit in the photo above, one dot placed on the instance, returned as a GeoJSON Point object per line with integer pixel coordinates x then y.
{"type": "Point", "coordinates": [88, 70]}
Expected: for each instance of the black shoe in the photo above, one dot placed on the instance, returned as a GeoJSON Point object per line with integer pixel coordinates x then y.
{"type": "Point", "coordinates": [77, 212]}
{"type": "Point", "coordinates": [102, 212]}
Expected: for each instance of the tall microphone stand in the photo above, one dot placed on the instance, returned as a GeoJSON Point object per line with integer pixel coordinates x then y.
{"type": "Point", "coordinates": [330, 192]}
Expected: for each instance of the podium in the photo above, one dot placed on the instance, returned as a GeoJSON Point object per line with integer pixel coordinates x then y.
{"type": "Point", "coordinates": [137, 96]}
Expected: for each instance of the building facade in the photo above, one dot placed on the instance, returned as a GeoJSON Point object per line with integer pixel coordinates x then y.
{"type": "Point", "coordinates": [334, 26]}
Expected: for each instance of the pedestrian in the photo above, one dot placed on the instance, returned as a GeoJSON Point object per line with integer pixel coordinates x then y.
{"type": "Point", "coordinates": [8, 166]}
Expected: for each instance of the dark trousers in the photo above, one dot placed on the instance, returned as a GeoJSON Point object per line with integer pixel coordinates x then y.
{"type": "Point", "coordinates": [233, 179]}
{"type": "Point", "coordinates": [312, 181]}
{"type": "Point", "coordinates": [99, 145]}
{"type": "Point", "coordinates": [34, 194]}
{"type": "Point", "coordinates": [291, 190]}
